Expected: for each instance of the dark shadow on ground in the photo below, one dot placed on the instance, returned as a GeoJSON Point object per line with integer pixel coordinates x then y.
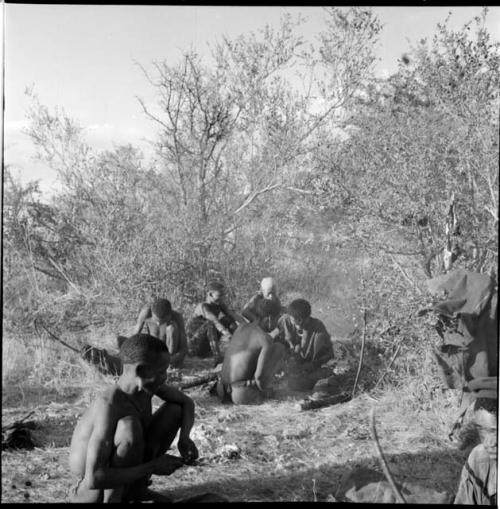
{"type": "Point", "coordinates": [439, 471]}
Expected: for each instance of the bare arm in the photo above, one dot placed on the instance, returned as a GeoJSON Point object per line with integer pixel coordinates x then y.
{"type": "Point", "coordinates": [186, 446]}
{"type": "Point", "coordinates": [144, 314]}
{"type": "Point", "coordinates": [235, 316]}
{"type": "Point", "coordinates": [173, 395]}
{"type": "Point", "coordinates": [182, 334]}
{"type": "Point", "coordinates": [248, 310]}
{"type": "Point", "coordinates": [263, 362]}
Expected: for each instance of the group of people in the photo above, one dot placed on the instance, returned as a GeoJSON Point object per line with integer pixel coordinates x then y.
{"type": "Point", "coordinates": [252, 345]}
{"type": "Point", "coordinates": [119, 442]}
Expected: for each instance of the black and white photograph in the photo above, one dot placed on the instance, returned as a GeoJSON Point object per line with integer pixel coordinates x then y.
{"type": "Point", "coordinates": [250, 253]}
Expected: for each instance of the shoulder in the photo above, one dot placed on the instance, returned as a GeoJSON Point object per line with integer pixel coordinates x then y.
{"type": "Point", "coordinates": [317, 325]}
{"type": "Point", "coordinates": [178, 317]}
{"type": "Point", "coordinates": [477, 456]}
{"type": "Point", "coordinates": [108, 402]}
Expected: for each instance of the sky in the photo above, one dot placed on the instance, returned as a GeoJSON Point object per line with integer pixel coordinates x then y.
{"type": "Point", "coordinates": [83, 58]}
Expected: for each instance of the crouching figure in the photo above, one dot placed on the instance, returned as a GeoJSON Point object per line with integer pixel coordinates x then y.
{"type": "Point", "coordinates": [119, 443]}
{"type": "Point", "coordinates": [251, 358]}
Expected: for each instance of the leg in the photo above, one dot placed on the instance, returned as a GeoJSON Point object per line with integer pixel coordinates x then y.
{"type": "Point", "coordinates": [129, 451]}
{"type": "Point", "coordinates": [198, 344]}
{"type": "Point", "coordinates": [160, 434]}
{"type": "Point", "coordinates": [172, 338]}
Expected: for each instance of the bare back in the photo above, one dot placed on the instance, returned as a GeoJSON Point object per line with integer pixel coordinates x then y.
{"type": "Point", "coordinates": [246, 351]}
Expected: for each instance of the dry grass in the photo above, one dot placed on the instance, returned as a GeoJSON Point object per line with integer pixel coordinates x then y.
{"type": "Point", "coordinates": [278, 452]}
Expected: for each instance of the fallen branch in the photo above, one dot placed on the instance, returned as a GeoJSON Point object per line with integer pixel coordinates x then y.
{"type": "Point", "coordinates": [53, 336]}
{"type": "Point", "coordinates": [198, 381]}
{"type": "Point", "coordinates": [383, 462]}
{"type": "Point", "coordinates": [312, 404]}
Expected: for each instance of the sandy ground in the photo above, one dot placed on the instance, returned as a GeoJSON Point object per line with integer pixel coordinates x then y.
{"type": "Point", "coordinates": [271, 452]}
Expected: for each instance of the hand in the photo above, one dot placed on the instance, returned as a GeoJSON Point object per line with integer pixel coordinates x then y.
{"type": "Point", "coordinates": [296, 349]}
{"type": "Point", "coordinates": [188, 451]}
{"type": "Point", "coordinates": [167, 464]}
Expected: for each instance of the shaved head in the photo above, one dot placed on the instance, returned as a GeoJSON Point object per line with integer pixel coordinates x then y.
{"type": "Point", "coordinates": [267, 284]}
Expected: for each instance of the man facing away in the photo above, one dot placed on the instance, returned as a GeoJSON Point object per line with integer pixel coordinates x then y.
{"type": "Point", "coordinates": [119, 443]}
{"type": "Point", "coordinates": [252, 358]}
{"type": "Point", "coordinates": [212, 322]}
{"type": "Point", "coordinates": [162, 322]}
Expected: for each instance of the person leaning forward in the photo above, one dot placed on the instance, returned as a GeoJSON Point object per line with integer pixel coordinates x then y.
{"type": "Point", "coordinates": [119, 443]}
{"type": "Point", "coordinates": [251, 358]}
{"type": "Point", "coordinates": [162, 322]}
{"type": "Point", "coordinates": [309, 345]}
{"type": "Point", "coordinates": [211, 321]}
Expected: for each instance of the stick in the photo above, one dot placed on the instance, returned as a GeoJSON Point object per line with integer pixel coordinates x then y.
{"type": "Point", "coordinates": [199, 381]}
{"type": "Point", "coordinates": [363, 337]}
{"type": "Point", "coordinates": [389, 366]}
{"type": "Point", "coordinates": [53, 336]}
{"type": "Point", "coordinates": [383, 461]}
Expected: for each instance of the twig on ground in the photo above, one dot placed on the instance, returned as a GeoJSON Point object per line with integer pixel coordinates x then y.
{"type": "Point", "coordinates": [53, 336]}
{"type": "Point", "coordinates": [383, 461]}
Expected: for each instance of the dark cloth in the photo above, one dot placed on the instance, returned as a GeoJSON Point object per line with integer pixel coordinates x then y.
{"type": "Point", "coordinates": [106, 363]}
{"type": "Point", "coordinates": [204, 338]}
{"type": "Point", "coordinates": [478, 481]}
{"type": "Point", "coordinates": [314, 340]}
{"type": "Point", "coordinates": [250, 309]}
{"type": "Point", "coordinates": [467, 324]}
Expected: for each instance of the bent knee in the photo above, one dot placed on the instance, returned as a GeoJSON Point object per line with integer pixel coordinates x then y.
{"type": "Point", "coordinates": [129, 432]}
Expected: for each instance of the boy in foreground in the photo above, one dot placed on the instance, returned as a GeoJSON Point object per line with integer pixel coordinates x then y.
{"type": "Point", "coordinates": [118, 444]}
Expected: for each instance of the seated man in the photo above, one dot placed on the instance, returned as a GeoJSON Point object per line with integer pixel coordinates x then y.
{"type": "Point", "coordinates": [211, 321]}
{"type": "Point", "coordinates": [119, 443]}
{"type": "Point", "coordinates": [162, 322]}
{"type": "Point", "coordinates": [478, 481]}
{"type": "Point", "coordinates": [308, 342]}
{"type": "Point", "coordinates": [267, 291]}
{"type": "Point", "coordinates": [251, 359]}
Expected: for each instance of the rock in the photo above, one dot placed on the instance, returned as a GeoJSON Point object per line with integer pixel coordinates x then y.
{"type": "Point", "coordinates": [368, 486]}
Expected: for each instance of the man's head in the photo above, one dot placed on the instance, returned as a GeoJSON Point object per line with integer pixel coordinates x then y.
{"type": "Point", "coordinates": [268, 287]}
{"type": "Point", "coordinates": [215, 292]}
{"type": "Point", "coordinates": [299, 311]}
{"type": "Point", "coordinates": [485, 417]}
{"type": "Point", "coordinates": [146, 358]}
{"type": "Point", "coordinates": [161, 310]}
{"type": "Point", "coordinates": [267, 312]}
